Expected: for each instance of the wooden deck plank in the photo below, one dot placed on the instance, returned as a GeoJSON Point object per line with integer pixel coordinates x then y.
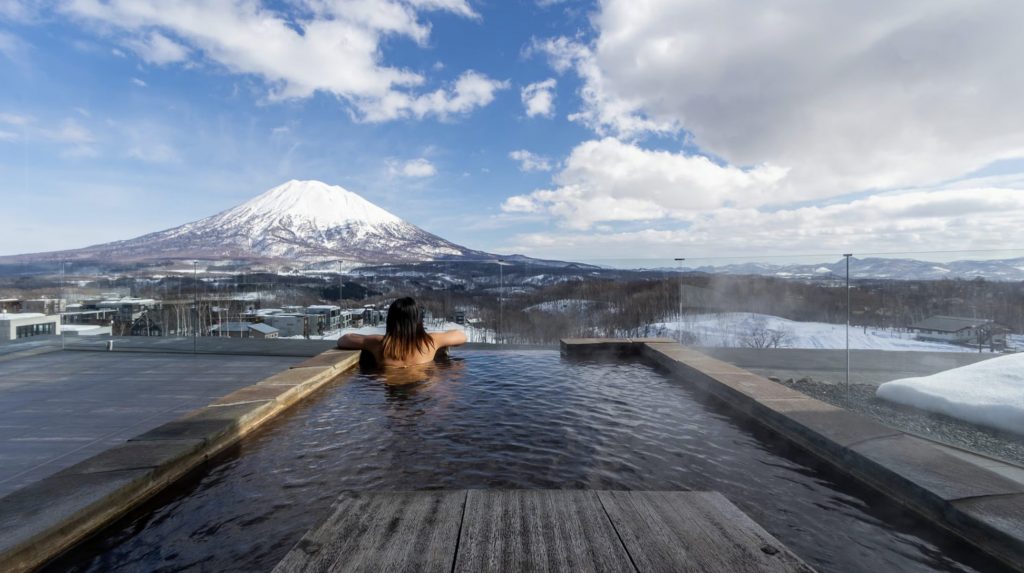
{"type": "Point", "coordinates": [694, 531]}
{"type": "Point", "coordinates": [385, 531]}
{"type": "Point", "coordinates": [538, 531]}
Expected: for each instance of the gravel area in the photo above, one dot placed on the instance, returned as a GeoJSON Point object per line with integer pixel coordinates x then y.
{"type": "Point", "coordinates": [991, 442]}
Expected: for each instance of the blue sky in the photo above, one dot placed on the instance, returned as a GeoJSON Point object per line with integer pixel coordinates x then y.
{"type": "Point", "coordinates": [651, 128]}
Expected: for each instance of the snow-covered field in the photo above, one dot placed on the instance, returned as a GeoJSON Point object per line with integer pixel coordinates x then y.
{"type": "Point", "coordinates": [735, 330]}
{"type": "Point", "coordinates": [990, 393]}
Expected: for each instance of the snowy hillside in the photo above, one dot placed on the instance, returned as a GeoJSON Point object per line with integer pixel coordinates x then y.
{"type": "Point", "coordinates": [879, 268]}
{"type": "Point", "coordinates": [989, 393]}
{"type": "Point", "coordinates": [299, 221]}
{"type": "Point", "coordinates": [736, 329]}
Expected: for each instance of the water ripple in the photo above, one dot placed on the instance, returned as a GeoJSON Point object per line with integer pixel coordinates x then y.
{"type": "Point", "coordinates": [511, 420]}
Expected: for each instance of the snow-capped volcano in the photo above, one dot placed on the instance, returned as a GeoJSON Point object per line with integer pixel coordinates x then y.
{"type": "Point", "coordinates": [301, 205]}
{"type": "Point", "coordinates": [300, 221]}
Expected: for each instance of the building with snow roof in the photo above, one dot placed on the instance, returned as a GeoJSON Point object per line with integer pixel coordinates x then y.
{"type": "Point", "coordinates": [244, 330]}
{"type": "Point", "coordinates": [960, 330]}
{"type": "Point", "coordinates": [289, 324]}
{"type": "Point", "coordinates": [26, 324]}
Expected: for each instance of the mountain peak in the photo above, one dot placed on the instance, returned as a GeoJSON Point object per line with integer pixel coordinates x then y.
{"type": "Point", "coordinates": [322, 205]}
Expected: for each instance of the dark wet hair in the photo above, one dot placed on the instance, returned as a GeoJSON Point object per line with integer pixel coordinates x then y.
{"type": "Point", "coordinates": [405, 333]}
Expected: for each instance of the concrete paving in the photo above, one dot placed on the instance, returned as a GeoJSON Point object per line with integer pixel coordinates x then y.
{"type": "Point", "coordinates": [59, 408]}
{"type": "Point", "coordinates": [825, 365]}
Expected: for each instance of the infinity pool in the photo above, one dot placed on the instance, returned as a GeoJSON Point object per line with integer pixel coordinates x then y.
{"type": "Point", "coordinates": [511, 419]}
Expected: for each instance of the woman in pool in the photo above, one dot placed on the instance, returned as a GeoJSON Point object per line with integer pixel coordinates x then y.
{"type": "Point", "coordinates": [405, 342]}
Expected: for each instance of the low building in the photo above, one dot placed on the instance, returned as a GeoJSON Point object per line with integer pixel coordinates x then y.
{"type": "Point", "coordinates": [260, 330]}
{"type": "Point", "coordinates": [330, 312]}
{"type": "Point", "coordinates": [352, 318]}
{"type": "Point", "coordinates": [954, 329]}
{"type": "Point", "coordinates": [27, 324]}
{"type": "Point", "coordinates": [288, 324]}
{"type": "Point", "coordinates": [128, 309]}
{"type": "Point", "coordinates": [44, 305]}
{"type": "Point", "coordinates": [373, 316]}
{"type": "Point", "coordinates": [244, 330]}
{"type": "Point", "coordinates": [84, 330]}
{"type": "Point", "coordinates": [77, 314]}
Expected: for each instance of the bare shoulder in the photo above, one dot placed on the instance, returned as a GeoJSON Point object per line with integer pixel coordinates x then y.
{"type": "Point", "coordinates": [449, 338]}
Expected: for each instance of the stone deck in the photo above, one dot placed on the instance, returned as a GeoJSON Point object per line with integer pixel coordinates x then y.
{"type": "Point", "coordinates": [102, 398]}
{"type": "Point", "coordinates": [59, 408]}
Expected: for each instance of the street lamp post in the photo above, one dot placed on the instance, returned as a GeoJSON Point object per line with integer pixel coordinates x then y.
{"type": "Point", "coordinates": [847, 256]}
{"type": "Point", "coordinates": [501, 296]}
{"type": "Point", "coordinates": [195, 306]}
{"type": "Point", "coordinates": [679, 321]}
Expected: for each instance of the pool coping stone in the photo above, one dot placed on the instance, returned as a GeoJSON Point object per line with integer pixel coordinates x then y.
{"type": "Point", "coordinates": [970, 500]}
{"type": "Point", "coordinates": [48, 517]}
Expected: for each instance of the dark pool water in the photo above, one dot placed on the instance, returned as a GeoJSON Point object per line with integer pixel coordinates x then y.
{"type": "Point", "coordinates": [511, 419]}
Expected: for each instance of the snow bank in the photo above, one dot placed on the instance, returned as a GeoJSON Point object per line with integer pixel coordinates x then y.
{"type": "Point", "coordinates": [989, 393]}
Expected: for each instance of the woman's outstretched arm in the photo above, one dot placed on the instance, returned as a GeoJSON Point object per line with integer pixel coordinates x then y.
{"type": "Point", "coordinates": [449, 338]}
{"type": "Point", "coordinates": [352, 341]}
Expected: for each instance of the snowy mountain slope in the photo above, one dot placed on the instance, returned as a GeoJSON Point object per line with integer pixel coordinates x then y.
{"type": "Point", "coordinates": [298, 221]}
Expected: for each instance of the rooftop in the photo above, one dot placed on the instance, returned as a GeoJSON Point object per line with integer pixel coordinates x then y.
{"type": "Point", "coordinates": [949, 323]}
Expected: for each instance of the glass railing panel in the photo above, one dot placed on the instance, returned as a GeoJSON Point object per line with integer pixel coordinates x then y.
{"type": "Point", "coordinates": [949, 367]}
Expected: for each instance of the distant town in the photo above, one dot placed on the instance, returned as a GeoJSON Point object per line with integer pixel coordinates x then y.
{"type": "Point", "coordinates": [521, 303]}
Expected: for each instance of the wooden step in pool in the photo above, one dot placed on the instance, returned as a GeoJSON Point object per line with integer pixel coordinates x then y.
{"type": "Point", "coordinates": [539, 530]}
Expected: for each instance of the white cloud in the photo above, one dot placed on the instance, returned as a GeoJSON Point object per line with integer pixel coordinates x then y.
{"type": "Point", "coordinates": [138, 82]}
{"type": "Point", "coordinates": [8, 135]}
{"type": "Point", "coordinates": [459, 7]}
{"type": "Point", "coordinates": [12, 47]}
{"type": "Point", "coordinates": [873, 94]}
{"type": "Point", "coordinates": [529, 161]}
{"type": "Point", "coordinates": [471, 90]}
{"type": "Point", "coordinates": [14, 119]}
{"type": "Point", "coordinates": [19, 10]}
{"type": "Point", "coordinates": [417, 168]}
{"type": "Point", "coordinates": [154, 152]}
{"type": "Point", "coordinates": [70, 131]}
{"type": "Point", "coordinates": [539, 98]}
{"type": "Point", "coordinates": [327, 46]}
{"type": "Point", "coordinates": [80, 151]}
{"type": "Point", "coordinates": [946, 219]}
{"type": "Point", "coordinates": [158, 49]}
{"type": "Point", "coordinates": [603, 110]}
{"type": "Point", "coordinates": [610, 180]}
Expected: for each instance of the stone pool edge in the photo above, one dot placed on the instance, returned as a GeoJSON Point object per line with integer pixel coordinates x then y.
{"type": "Point", "coordinates": [977, 505]}
{"type": "Point", "coordinates": [48, 517]}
